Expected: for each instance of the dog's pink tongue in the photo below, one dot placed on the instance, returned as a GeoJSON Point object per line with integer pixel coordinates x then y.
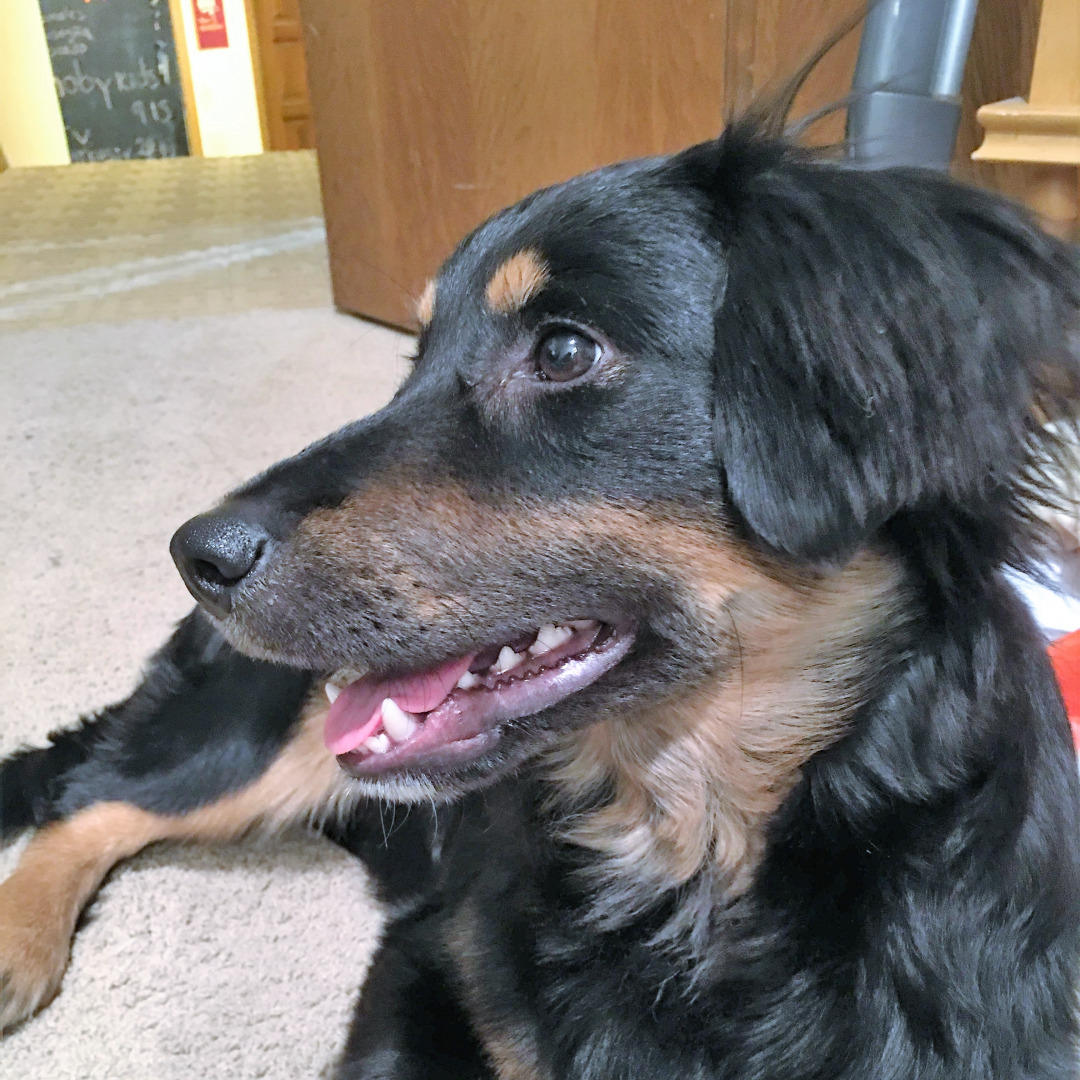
{"type": "Point", "coordinates": [356, 714]}
{"type": "Point", "coordinates": [353, 716]}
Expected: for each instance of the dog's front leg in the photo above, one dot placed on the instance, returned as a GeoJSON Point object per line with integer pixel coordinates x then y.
{"type": "Point", "coordinates": [410, 1023]}
{"type": "Point", "coordinates": [210, 744]}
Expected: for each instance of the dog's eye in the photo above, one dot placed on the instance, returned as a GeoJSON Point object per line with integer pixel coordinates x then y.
{"type": "Point", "coordinates": [565, 354]}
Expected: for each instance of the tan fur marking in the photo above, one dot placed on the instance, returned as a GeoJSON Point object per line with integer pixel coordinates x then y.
{"type": "Point", "coordinates": [303, 779]}
{"type": "Point", "coordinates": [425, 304]}
{"type": "Point", "coordinates": [387, 524]}
{"type": "Point", "coordinates": [697, 779]}
{"type": "Point", "coordinates": [516, 282]}
{"type": "Point", "coordinates": [409, 537]}
{"type": "Point", "coordinates": [513, 1056]}
{"type": "Point", "coordinates": [64, 864]}
{"type": "Point", "coordinates": [39, 904]}
{"type": "Point", "coordinates": [510, 1045]}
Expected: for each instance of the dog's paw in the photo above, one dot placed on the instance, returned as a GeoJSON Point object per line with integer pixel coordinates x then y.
{"type": "Point", "coordinates": [33, 956]}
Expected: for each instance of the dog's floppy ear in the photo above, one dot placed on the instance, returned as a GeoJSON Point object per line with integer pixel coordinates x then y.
{"type": "Point", "coordinates": [879, 344]}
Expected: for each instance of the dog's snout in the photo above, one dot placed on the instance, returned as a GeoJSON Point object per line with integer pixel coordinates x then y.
{"type": "Point", "coordinates": [215, 552]}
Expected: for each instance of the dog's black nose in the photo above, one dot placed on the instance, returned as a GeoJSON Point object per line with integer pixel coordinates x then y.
{"type": "Point", "coordinates": [214, 552]}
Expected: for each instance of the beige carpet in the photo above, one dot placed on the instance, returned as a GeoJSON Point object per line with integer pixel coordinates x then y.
{"type": "Point", "coordinates": [114, 240]}
{"type": "Point", "coordinates": [238, 961]}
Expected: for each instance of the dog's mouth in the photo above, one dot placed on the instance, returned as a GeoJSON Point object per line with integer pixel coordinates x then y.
{"type": "Point", "coordinates": [452, 713]}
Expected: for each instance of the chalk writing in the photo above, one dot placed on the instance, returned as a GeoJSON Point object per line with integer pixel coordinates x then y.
{"type": "Point", "coordinates": [144, 147]}
{"type": "Point", "coordinates": [160, 111]}
{"type": "Point", "coordinates": [64, 15]}
{"type": "Point", "coordinates": [163, 65]}
{"type": "Point", "coordinates": [78, 82]}
{"type": "Point", "coordinates": [70, 40]}
{"type": "Point", "coordinates": [114, 70]}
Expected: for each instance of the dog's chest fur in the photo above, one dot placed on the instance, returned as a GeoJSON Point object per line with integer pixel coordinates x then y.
{"type": "Point", "coordinates": [546, 987]}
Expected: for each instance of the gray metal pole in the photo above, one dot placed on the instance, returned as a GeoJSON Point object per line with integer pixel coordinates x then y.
{"type": "Point", "coordinates": [906, 107]}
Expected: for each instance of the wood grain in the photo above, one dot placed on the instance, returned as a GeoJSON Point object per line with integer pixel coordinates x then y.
{"type": "Point", "coordinates": [999, 66]}
{"type": "Point", "coordinates": [191, 119]}
{"type": "Point", "coordinates": [1041, 128]}
{"type": "Point", "coordinates": [278, 47]}
{"type": "Point", "coordinates": [433, 116]}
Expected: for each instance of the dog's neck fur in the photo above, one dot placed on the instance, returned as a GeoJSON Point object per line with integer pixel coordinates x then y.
{"type": "Point", "coordinates": [691, 785]}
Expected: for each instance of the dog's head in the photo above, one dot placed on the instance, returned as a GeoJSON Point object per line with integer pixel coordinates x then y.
{"type": "Point", "coordinates": [662, 421]}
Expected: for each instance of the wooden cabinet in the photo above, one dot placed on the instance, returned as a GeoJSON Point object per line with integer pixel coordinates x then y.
{"type": "Point", "coordinates": [278, 48]}
{"type": "Point", "coordinates": [1041, 127]}
{"type": "Point", "coordinates": [432, 114]}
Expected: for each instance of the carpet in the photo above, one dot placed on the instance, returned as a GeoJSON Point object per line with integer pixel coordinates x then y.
{"type": "Point", "coordinates": [114, 240]}
{"type": "Point", "coordinates": [236, 961]}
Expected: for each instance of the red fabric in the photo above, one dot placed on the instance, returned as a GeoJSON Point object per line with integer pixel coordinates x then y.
{"type": "Point", "coordinates": [1065, 656]}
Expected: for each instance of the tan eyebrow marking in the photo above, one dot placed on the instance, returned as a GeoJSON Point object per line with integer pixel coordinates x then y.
{"type": "Point", "coordinates": [425, 305]}
{"type": "Point", "coordinates": [519, 279]}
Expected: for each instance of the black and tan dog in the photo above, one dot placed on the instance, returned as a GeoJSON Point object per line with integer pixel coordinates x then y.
{"type": "Point", "coordinates": [669, 589]}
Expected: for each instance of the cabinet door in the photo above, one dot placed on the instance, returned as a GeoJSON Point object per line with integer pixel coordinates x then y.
{"type": "Point", "coordinates": [432, 114]}
{"type": "Point", "coordinates": [282, 73]}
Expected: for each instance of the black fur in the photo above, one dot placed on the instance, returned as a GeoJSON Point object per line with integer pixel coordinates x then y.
{"type": "Point", "coordinates": [204, 722]}
{"type": "Point", "coordinates": [826, 361]}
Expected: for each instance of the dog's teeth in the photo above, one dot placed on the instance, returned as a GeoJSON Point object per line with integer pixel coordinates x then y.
{"type": "Point", "coordinates": [550, 637]}
{"type": "Point", "coordinates": [507, 660]}
{"type": "Point", "coordinates": [468, 681]}
{"type": "Point", "coordinates": [343, 676]}
{"type": "Point", "coordinates": [377, 744]}
{"type": "Point", "coordinates": [397, 723]}
{"type": "Point", "coordinates": [339, 680]}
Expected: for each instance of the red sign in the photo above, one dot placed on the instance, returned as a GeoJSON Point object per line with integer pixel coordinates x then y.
{"type": "Point", "coordinates": [210, 24]}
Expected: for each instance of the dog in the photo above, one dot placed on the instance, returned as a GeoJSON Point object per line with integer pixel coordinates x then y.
{"type": "Point", "coordinates": [670, 593]}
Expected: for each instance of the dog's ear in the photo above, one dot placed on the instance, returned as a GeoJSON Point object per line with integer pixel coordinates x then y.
{"type": "Point", "coordinates": [880, 343]}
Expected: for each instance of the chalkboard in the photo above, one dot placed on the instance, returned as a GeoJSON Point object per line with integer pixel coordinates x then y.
{"type": "Point", "coordinates": [114, 66]}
